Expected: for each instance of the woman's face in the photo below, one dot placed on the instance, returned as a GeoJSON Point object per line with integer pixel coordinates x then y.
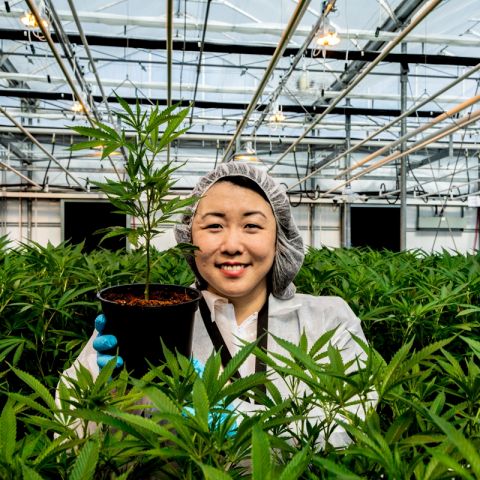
{"type": "Point", "coordinates": [235, 231]}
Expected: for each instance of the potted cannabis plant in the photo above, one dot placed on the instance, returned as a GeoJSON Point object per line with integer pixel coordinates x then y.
{"type": "Point", "coordinates": [142, 316]}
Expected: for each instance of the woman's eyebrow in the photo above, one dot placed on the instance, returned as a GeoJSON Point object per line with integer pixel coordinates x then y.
{"type": "Point", "coordinates": [212, 214]}
{"type": "Point", "coordinates": [223, 215]}
{"type": "Point", "coordinates": [254, 212]}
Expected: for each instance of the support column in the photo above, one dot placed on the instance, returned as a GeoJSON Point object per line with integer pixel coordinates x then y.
{"type": "Point", "coordinates": [346, 207]}
{"type": "Point", "coordinates": [403, 147]}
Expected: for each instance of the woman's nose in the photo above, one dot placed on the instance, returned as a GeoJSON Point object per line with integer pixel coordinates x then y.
{"type": "Point", "coordinates": [232, 243]}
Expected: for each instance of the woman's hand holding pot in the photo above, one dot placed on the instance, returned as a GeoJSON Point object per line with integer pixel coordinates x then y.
{"type": "Point", "coordinates": [104, 343]}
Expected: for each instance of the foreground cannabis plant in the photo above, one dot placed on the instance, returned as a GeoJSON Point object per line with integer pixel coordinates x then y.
{"type": "Point", "coordinates": [420, 312]}
{"type": "Point", "coordinates": [144, 193]}
{"type": "Point", "coordinates": [174, 423]}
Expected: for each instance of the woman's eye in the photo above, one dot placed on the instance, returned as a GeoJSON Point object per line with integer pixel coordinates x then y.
{"type": "Point", "coordinates": [213, 226]}
{"type": "Point", "coordinates": [252, 226]}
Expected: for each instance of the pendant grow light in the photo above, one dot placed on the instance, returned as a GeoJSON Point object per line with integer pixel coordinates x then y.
{"type": "Point", "coordinates": [246, 154]}
{"type": "Point", "coordinates": [29, 21]}
{"type": "Point", "coordinates": [326, 35]}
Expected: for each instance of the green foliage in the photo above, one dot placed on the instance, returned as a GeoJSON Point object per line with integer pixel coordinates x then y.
{"type": "Point", "coordinates": [157, 426]}
{"type": "Point", "coordinates": [420, 313]}
{"type": "Point", "coordinates": [48, 301]}
{"type": "Point", "coordinates": [145, 190]}
{"type": "Point", "coordinates": [400, 296]}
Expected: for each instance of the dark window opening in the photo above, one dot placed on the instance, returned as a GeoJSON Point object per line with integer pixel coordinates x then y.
{"type": "Point", "coordinates": [82, 219]}
{"type": "Point", "coordinates": [376, 227]}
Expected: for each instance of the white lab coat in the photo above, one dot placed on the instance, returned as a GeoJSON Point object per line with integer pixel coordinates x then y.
{"type": "Point", "coordinates": [287, 319]}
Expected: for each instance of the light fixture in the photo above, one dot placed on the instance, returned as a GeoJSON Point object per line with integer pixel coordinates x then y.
{"type": "Point", "coordinates": [326, 35]}
{"type": "Point", "coordinates": [276, 116]}
{"type": "Point", "coordinates": [246, 154]}
{"type": "Point", "coordinates": [77, 107]}
{"type": "Point", "coordinates": [29, 21]}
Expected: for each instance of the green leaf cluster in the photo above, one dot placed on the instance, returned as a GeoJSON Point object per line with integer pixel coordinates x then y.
{"type": "Point", "coordinates": [143, 192]}
{"type": "Point", "coordinates": [424, 365]}
{"type": "Point", "coordinates": [424, 425]}
{"type": "Point", "coordinates": [48, 301]}
{"type": "Point", "coordinates": [400, 296]}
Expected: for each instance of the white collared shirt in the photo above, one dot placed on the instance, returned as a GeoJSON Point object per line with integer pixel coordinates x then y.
{"type": "Point", "coordinates": [223, 314]}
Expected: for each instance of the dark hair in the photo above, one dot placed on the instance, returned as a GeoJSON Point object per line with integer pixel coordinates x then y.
{"type": "Point", "coordinates": [245, 182]}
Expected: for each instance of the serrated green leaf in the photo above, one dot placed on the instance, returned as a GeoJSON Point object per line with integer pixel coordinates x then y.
{"type": "Point", "coordinates": [464, 446]}
{"type": "Point", "coordinates": [86, 462]}
{"type": "Point", "coordinates": [8, 432]}
{"type": "Point", "coordinates": [235, 363]}
{"type": "Point", "coordinates": [30, 474]}
{"type": "Point", "coordinates": [161, 401]}
{"type": "Point", "coordinates": [37, 387]}
{"type": "Point", "coordinates": [474, 345]}
{"type": "Point", "coordinates": [261, 458]}
{"type": "Point", "coordinates": [340, 472]}
{"type": "Point", "coordinates": [450, 463]}
{"type": "Point", "coordinates": [201, 403]}
{"type": "Point", "coordinates": [297, 465]}
{"type": "Point", "coordinates": [212, 473]}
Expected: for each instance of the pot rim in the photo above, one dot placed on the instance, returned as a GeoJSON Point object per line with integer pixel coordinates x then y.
{"type": "Point", "coordinates": [193, 290]}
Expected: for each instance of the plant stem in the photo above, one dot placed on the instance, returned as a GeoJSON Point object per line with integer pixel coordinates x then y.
{"type": "Point", "coordinates": [147, 248]}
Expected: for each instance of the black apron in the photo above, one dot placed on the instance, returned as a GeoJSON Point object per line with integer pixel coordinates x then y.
{"type": "Point", "coordinates": [219, 342]}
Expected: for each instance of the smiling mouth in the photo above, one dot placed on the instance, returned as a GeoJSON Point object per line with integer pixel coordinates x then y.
{"type": "Point", "coordinates": [232, 267]}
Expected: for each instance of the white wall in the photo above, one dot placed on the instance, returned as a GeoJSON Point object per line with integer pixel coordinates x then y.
{"type": "Point", "coordinates": [44, 225]}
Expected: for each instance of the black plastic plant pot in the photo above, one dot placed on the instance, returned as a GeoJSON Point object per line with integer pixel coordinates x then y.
{"type": "Point", "coordinates": [140, 329]}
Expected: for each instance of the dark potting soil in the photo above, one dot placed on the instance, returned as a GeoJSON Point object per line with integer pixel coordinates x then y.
{"type": "Point", "coordinates": [157, 298]}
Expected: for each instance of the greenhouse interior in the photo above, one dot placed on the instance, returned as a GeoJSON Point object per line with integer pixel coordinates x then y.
{"type": "Point", "coordinates": [345, 332]}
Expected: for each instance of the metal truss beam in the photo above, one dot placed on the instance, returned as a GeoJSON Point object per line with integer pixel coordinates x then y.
{"type": "Point", "coordinates": [366, 55]}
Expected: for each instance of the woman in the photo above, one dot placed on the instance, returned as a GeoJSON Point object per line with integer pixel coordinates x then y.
{"type": "Point", "coordinates": [249, 251]}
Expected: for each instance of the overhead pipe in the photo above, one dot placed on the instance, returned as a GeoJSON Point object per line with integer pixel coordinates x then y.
{"type": "Point", "coordinates": [199, 64]}
{"type": "Point", "coordinates": [449, 189]}
{"type": "Point", "coordinates": [286, 35]}
{"type": "Point", "coordinates": [97, 76]}
{"type": "Point", "coordinates": [48, 38]}
{"type": "Point", "coordinates": [466, 195]}
{"type": "Point", "coordinates": [293, 64]}
{"type": "Point", "coordinates": [440, 118]}
{"type": "Point", "coordinates": [236, 90]}
{"type": "Point", "coordinates": [391, 123]}
{"type": "Point", "coordinates": [90, 58]}
{"type": "Point", "coordinates": [77, 95]}
{"type": "Point", "coordinates": [463, 122]}
{"type": "Point", "coordinates": [21, 175]}
{"type": "Point", "coordinates": [169, 36]}
{"type": "Point", "coordinates": [421, 184]}
{"type": "Point", "coordinates": [169, 27]}
{"type": "Point", "coordinates": [403, 160]}
{"type": "Point", "coordinates": [69, 53]}
{"type": "Point", "coordinates": [248, 28]}
{"type": "Point", "coordinates": [40, 146]}
{"type": "Point", "coordinates": [422, 13]}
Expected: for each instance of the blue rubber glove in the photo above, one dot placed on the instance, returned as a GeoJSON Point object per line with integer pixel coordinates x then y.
{"type": "Point", "coordinates": [219, 415]}
{"type": "Point", "coordinates": [103, 343]}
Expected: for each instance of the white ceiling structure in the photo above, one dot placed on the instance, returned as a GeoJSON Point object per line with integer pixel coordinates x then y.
{"type": "Point", "coordinates": [392, 109]}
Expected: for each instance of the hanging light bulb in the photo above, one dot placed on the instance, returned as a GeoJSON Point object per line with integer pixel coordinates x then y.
{"type": "Point", "coordinates": [277, 116]}
{"type": "Point", "coordinates": [326, 35]}
{"type": "Point", "coordinates": [77, 107]}
{"type": "Point", "coordinates": [246, 154]}
{"type": "Point", "coordinates": [29, 21]}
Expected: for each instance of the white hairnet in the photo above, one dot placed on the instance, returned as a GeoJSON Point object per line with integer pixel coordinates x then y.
{"type": "Point", "coordinates": [289, 247]}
